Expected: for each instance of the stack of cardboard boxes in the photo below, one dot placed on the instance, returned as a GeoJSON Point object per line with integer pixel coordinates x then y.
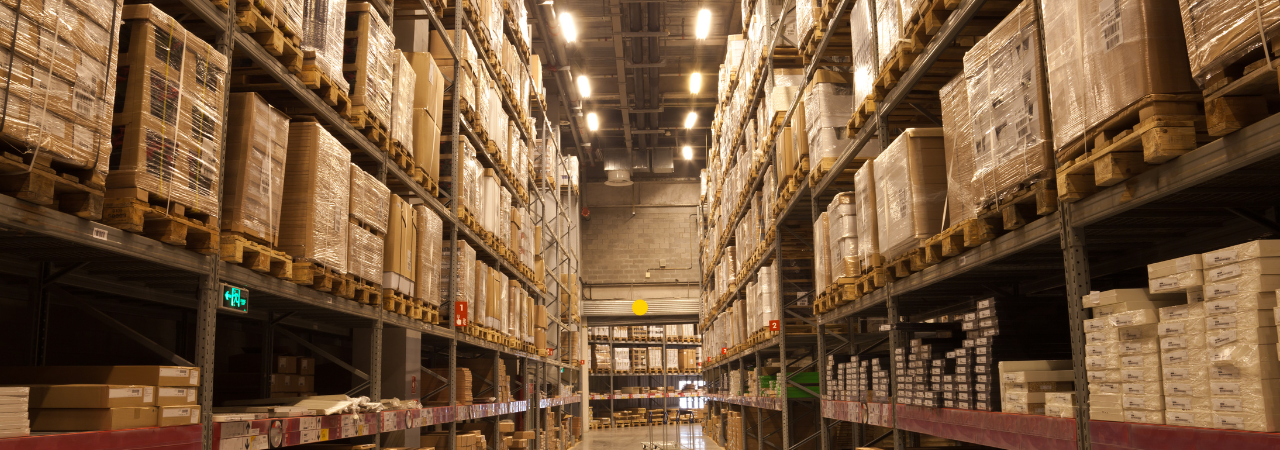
{"type": "Point", "coordinates": [1026, 385]}
{"type": "Point", "coordinates": [92, 398]}
{"type": "Point", "coordinates": [15, 420]}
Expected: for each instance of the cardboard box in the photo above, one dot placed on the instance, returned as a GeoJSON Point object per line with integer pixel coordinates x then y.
{"type": "Point", "coordinates": [282, 382]}
{"type": "Point", "coordinates": [286, 364]}
{"type": "Point", "coordinates": [364, 253]}
{"type": "Point", "coordinates": [317, 187]}
{"type": "Point", "coordinates": [306, 366]}
{"type": "Point", "coordinates": [912, 172]}
{"type": "Point", "coordinates": [370, 200]}
{"type": "Point", "coordinates": [540, 339]}
{"type": "Point", "coordinates": [426, 142]}
{"type": "Point", "coordinates": [172, 416]}
{"type": "Point", "coordinates": [398, 270]}
{"type": "Point", "coordinates": [1174, 266]}
{"type": "Point", "coordinates": [98, 419]}
{"type": "Point", "coordinates": [257, 146]}
{"type": "Point", "coordinates": [506, 426]}
{"type": "Point", "coordinates": [122, 375]}
{"type": "Point", "coordinates": [368, 45]}
{"type": "Point", "coordinates": [540, 317]}
{"type": "Point", "coordinates": [176, 396]}
{"type": "Point", "coordinates": [428, 91]}
{"type": "Point", "coordinates": [91, 396]}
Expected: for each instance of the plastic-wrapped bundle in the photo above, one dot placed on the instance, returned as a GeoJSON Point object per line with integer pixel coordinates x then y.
{"type": "Point", "coordinates": [888, 30]}
{"type": "Point", "coordinates": [471, 179]}
{"type": "Point", "coordinates": [461, 268]}
{"type": "Point", "coordinates": [370, 199]}
{"type": "Point", "coordinates": [257, 146]}
{"type": "Point", "coordinates": [480, 282]}
{"type": "Point", "coordinates": [864, 183]}
{"type": "Point", "coordinates": [1103, 56]}
{"type": "Point", "coordinates": [169, 121]}
{"type": "Point", "coordinates": [59, 96]}
{"type": "Point", "coordinates": [866, 63]}
{"type": "Point", "coordinates": [827, 110]}
{"type": "Point", "coordinates": [957, 141]}
{"type": "Point", "coordinates": [322, 38]}
{"type": "Point", "coordinates": [1219, 31]}
{"type": "Point", "coordinates": [402, 108]}
{"type": "Point", "coordinates": [367, 61]}
{"type": "Point", "coordinates": [490, 197]}
{"type": "Point", "coordinates": [821, 256]}
{"type": "Point", "coordinates": [503, 225]}
{"type": "Point", "coordinates": [843, 238]}
{"type": "Point", "coordinates": [429, 255]}
{"type": "Point", "coordinates": [911, 188]}
{"type": "Point", "coordinates": [364, 253]}
{"type": "Point", "coordinates": [1239, 253]}
{"type": "Point", "coordinates": [1010, 135]}
{"type": "Point", "coordinates": [654, 357]}
{"type": "Point", "coordinates": [317, 188]}
{"type": "Point", "coordinates": [603, 357]}
{"type": "Point", "coordinates": [768, 294]}
{"type": "Point", "coordinates": [622, 359]}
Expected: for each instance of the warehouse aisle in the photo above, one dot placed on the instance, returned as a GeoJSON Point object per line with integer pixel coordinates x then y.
{"type": "Point", "coordinates": [690, 438]}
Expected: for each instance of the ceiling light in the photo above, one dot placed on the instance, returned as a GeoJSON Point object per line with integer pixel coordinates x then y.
{"type": "Point", "coordinates": [704, 23]}
{"type": "Point", "coordinates": [584, 86]}
{"type": "Point", "coordinates": [593, 122]}
{"type": "Point", "coordinates": [695, 83]}
{"type": "Point", "coordinates": [568, 29]}
{"type": "Point", "coordinates": [687, 151]}
{"type": "Point", "coordinates": [690, 119]}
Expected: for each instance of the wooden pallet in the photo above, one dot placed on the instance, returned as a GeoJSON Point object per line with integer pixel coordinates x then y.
{"type": "Point", "coordinates": [431, 314]}
{"type": "Point", "coordinates": [1241, 91]}
{"type": "Point", "coordinates": [320, 278]}
{"type": "Point", "coordinates": [907, 263]}
{"type": "Point", "coordinates": [138, 211]}
{"type": "Point", "coordinates": [252, 79]}
{"type": "Point", "coordinates": [258, 19]}
{"type": "Point", "coordinates": [1016, 209]}
{"type": "Point", "coordinates": [239, 250]}
{"type": "Point", "coordinates": [399, 155]}
{"type": "Point", "coordinates": [372, 127]}
{"type": "Point", "coordinates": [960, 237]}
{"type": "Point", "coordinates": [840, 45]}
{"type": "Point", "coordinates": [1180, 114]}
{"type": "Point", "coordinates": [398, 303]}
{"type": "Point", "coordinates": [37, 181]}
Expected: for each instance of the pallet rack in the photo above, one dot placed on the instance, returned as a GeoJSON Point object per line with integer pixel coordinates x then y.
{"type": "Point", "coordinates": [608, 382]}
{"type": "Point", "coordinates": [1204, 200]}
{"type": "Point", "coordinates": [96, 268]}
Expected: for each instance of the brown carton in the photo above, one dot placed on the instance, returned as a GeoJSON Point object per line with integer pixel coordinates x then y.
{"type": "Point", "coordinates": [428, 92]}
{"type": "Point", "coordinates": [176, 396]}
{"type": "Point", "coordinates": [286, 364]}
{"type": "Point", "coordinates": [91, 396]}
{"type": "Point", "coordinates": [313, 224]}
{"type": "Point", "coordinates": [306, 366]}
{"type": "Point", "coordinates": [426, 142]}
{"type": "Point", "coordinates": [172, 416]}
{"type": "Point", "coordinates": [257, 144]}
{"type": "Point", "coordinates": [398, 255]}
{"type": "Point", "coordinates": [98, 419]}
{"type": "Point", "coordinates": [125, 375]}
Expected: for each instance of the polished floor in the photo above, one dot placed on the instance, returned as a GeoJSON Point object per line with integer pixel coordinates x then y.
{"type": "Point", "coordinates": [639, 438]}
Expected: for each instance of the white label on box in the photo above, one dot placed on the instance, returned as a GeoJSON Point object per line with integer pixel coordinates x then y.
{"type": "Point", "coordinates": [1177, 388]}
{"type": "Point", "coordinates": [1174, 357]}
{"type": "Point", "coordinates": [1222, 338]}
{"type": "Point", "coordinates": [1095, 350]}
{"type": "Point", "coordinates": [1220, 322]}
{"type": "Point", "coordinates": [166, 372]}
{"type": "Point", "coordinates": [1183, 403]}
{"type": "Point", "coordinates": [1224, 388]}
{"type": "Point", "coordinates": [1135, 402]}
{"type": "Point", "coordinates": [1135, 416]}
{"type": "Point", "coordinates": [1228, 422]}
{"type": "Point", "coordinates": [1129, 334]}
{"type": "Point", "coordinates": [124, 392]}
{"type": "Point", "coordinates": [1220, 257]}
{"type": "Point", "coordinates": [1228, 404]}
{"type": "Point", "coordinates": [1134, 388]}
{"type": "Point", "coordinates": [1181, 418]}
{"type": "Point", "coordinates": [309, 423]}
{"type": "Point", "coordinates": [1131, 374]}
{"type": "Point", "coordinates": [1224, 272]}
{"type": "Point", "coordinates": [1161, 284]}
{"type": "Point", "coordinates": [983, 314]}
{"type": "Point", "coordinates": [148, 394]}
{"type": "Point", "coordinates": [177, 412]}
{"type": "Point", "coordinates": [1220, 306]}
{"type": "Point", "coordinates": [1173, 342]}
{"type": "Point", "coordinates": [1220, 290]}
{"type": "Point", "coordinates": [1091, 326]}
{"type": "Point", "coordinates": [1095, 338]}
{"type": "Point", "coordinates": [1096, 376]}
{"type": "Point", "coordinates": [1176, 312]}
{"type": "Point", "coordinates": [1224, 372]}
{"type": "Point", "coordinates": [1130, 347]}
{"type": "Point", "coordinates": [1169, 328]}
{"type": "Point", "coordinates": [190, 394]}
{"type": "Point", "coordinates": [309, 436]}
{"type": "Point", "coordinates": [1109, 388]}
{"type": "Point", "coordinates": [1183, 264]}
{"type": "Point", "coordinates": [1132, 361]}
{"type": "Point", "coordinates": [1091, 363]}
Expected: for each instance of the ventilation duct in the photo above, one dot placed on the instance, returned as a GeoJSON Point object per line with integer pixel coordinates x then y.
{"type": "Point", "coordinates": [639, 161]}
{"type": "Point", "coordinates": [619, 178]}
{"type": "Point", "coordinates": [663, 160]}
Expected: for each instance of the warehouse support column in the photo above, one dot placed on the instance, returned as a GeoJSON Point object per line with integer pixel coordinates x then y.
{"type": "Point", "coordinates": [206, 331]}
{"type": "Point", "coordinates": [1076, 262]}
{"type": "Point", "coordinates": [402, 378]}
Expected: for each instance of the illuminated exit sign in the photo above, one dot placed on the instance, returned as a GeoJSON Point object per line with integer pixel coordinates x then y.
{"type": "Point", "coordinates": [235, 298]}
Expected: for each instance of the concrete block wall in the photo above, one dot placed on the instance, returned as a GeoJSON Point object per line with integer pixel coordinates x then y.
{"type": "Point", "coordinates": [640, 227]}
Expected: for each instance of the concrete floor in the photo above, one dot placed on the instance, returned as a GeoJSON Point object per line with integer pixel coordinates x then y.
{"type": "Point", "coordinates": [689, 438]}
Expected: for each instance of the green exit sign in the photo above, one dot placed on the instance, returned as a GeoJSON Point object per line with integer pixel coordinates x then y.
{"type": "Point", "coordinates": [235, 298]}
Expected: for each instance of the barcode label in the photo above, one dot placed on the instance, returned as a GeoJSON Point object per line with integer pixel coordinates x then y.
{"type": "Point", "coordinates": [1110, 20]}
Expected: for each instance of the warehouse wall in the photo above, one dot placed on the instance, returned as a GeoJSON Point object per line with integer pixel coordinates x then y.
{"type": "Point", "coordinates": [641, 227]}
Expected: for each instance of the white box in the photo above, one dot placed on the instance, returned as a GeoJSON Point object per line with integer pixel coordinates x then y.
{"type": "Point", "coordinates": [1240, 302]}
{"type": "Point", "coordinates": [1242, 252]}
{"type": "Point", "coordinates": [1174, 266]}
{"type": "Point", "coordinates": [1178, 282]}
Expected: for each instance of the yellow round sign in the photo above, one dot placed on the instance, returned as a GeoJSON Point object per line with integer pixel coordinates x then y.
{"type": "Point", "coordinates": [639, 307]}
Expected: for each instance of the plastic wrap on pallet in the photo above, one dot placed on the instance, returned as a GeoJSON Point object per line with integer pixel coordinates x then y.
{"type": "Point", "coordinates": [487, 212]}
{"type": "Point", "coordinates": [429, 256]}
{"type": "Point", "coordinates": [323, 36]}
{"type": "Point", "coordinates": [168, 126]}
{"type": "Point", "coordinates": [480, 83]}
{"type": "Point", "coordinates": [864, 183]}
{"type": "Point", "coordinates": [317, 190]}
{"type": "Point", "coordinates": [1218, 32]}
{"type": "Point", "coordinates": [370, 199]}
{"type": "Point", "coordinates": [367, 62]}
{"type": "Point", "coordinates": [822, 255]}
{"type": "Point", "coordinates": [502, 225]}
{"type": "Point", "coordinates": [621, 359]}
{"type": "Point", "coordinates": [827, 107]}
{"type": "Point", "coordinates": [402, 109]}
{"type": "Point", "coordinates": [843, 237]}
{"type": "Point", "coordinates": [257, 146]}
{"type": "Point", "coordinates": [957, 135]}
{"type": "Point", "coordinates": [460, 270]}
{"type": "Point", "coordinates": [364, 253]}
{"type": "Point", "coordinates": [471, 178]}
{"type": "Point", "coordinates": [1010, 139]}
{"type": "Point", "coordinates": [482, 281]}
{"type": "Point", "coordinates": [1103, 56]}
{"type": "Point", "coordinates": [911, 190]}
{"type": "Point", "coordinates": [289, 14]}
{"type": "Point", "coordinates": [866, 63]}
{"type": "Point", "coordinates": [888, 30]}
{"type": "Point", "coordinates": [59, 95]}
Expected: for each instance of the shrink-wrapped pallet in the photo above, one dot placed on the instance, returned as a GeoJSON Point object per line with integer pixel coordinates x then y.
{"type": "Point", "coordinates": [59, 96]}
{"type": "Point", "coordinates": [1219, 32]}
{"type": "Point", "coordinates": [460, 270]}
{"type": "Point", "coordinates": [257, 146]}
{"type": "Point", "coordinates": [323, 33]}
{"type": "Point", "coordinates": [888, 30]}
{"type": "Point", "coordinates": [370, 199]}
{"type": "Point", "coordinates": [1104, 55]}
{"type": "Point", "coordinates": [367, 63]}
{"type": "Point", "coordinates": [911, 190]}
{"type": "Point", "coordinates": [404, 90]}
{"type": "Point", "coordinates": [317, 189]}
{"type": "Point", "coordinates": [957, 141]}
{"type": "Point", "coordinates": [864, 183]}
{"type": "Point", "coordinates": [429, 255]}
{"type": "Point", "coordinates": [843, 236]}
{"type": "Point", "coordinates": [621, 359]}
{"type": "Point", "coordinates": [1007, 98]}
{"type": "Point", "coordinates": [168, 119]}
{"type": "Point", "coordinates": [866, 63]}
{"type": "Point", "coordinates": [602, 357]}
{"type": "Point", "coordinates": [364, 253]}
{"type": "Point", "coordinates": [827, 109]}
{"type": "Point", "coordinates": [821, 255]}
{"type": "Point", "coordinates": [399, 270]}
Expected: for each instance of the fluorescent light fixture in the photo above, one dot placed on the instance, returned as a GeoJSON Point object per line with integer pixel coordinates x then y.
{"type": "Point", "coordinates": [695, 83]}
{"type": "Point", "coordinates": [568, 28]}
{"type": "Point", "coordinates": [690, 119]}
{"type": "Point", "coordinates": [687, 151]}
{"type": "Point", "coordinates": [584, 86]}
{"type": "Point", "coordinates": [593, 122]}
{"type": "Point", "coordinates": [704, 23]}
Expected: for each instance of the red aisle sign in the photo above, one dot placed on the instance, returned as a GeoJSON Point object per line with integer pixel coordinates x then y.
{"type": "Point", "coordinates": [773, 325]}
{"type": "Point", "coordinates": [550, 351]}
{"type": "Point", "coordinates": [459, 314]}
{"type": "Point", "coordinates": [724, 351]}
